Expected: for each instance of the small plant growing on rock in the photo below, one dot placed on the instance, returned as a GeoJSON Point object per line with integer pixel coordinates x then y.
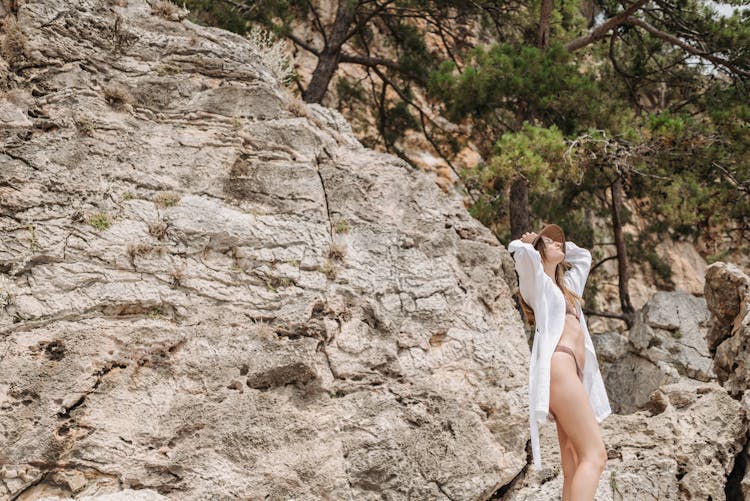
{"type": "Point", "coordinates": [13, 44]}
{"type": "Point", "coordinates": [168, 10]}
{"type": "Point", "coordinates": [143, 249]}
{"type": "Point", "coordinates": [178, 276]}
{"type": "Point", "coordinates": [5, 298]}
{"type": "Point", "coordinates": [654, 341]}
{"type": "Point", "coordinates": [166, 199]}
{"type": "Point", "coordinates": [128, 196]}
{"type": "Point", "coordinates": [273, 54]}
{"type": "Point", "coordinates": [117, 96]}
{"type": "Point", "coordinates": [336, 252]}
{"type": "Point", "coordinates": [158, 229]}
{"type": "Point", "coordinates": [341, 226]}
{"type": "Point", "coordinates": [168, 69]}
{"type": "Point", "coordinates": [85, 127]}
{"type": "Point", "coordinates": [274, 283]}
{"type": "Point", "coordinates": [33, 242]}
{"type": "Point", "coordinates": [100, 221]}
{"type": "Point", "coordinates": [297, 107]}
{"type": "Point", "coordinates": [328, 270]}
{"type": "Point", "coordinates": [264, 330]}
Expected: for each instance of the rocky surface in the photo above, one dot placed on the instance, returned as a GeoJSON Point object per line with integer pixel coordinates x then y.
{"type": "Point", "coordinates": [667, 343]}
{"type": "Point", "coordinates": [212, 291]}
{"type": "Point", "coordinates": [209, 290]}
{"type": "Point", "coordinates": [728, 297]}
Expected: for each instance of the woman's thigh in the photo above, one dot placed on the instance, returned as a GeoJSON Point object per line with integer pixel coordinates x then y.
{"type": "Point", "coordinates": [573, 412]}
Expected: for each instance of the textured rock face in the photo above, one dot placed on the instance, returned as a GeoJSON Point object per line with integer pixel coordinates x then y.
{"type": "Point", "coordinates": [212, 291]}
{"type": "Point", "coordinates": [209, 290]}
{"type": "Point", "coordinates": [728, 297]}
{"type": "Point", "coordinates": [728, 294]}
{"type": "Point", "coordinates": [667, 342]}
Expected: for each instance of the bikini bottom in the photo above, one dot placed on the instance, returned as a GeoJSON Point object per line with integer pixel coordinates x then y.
{"type": "Point", "coordinates": [567, 350]}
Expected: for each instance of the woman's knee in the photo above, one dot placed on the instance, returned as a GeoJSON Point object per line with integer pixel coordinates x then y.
{"type": "Point", "coordinates": [596, 457]}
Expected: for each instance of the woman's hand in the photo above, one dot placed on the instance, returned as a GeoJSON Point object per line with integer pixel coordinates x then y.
{"type": "Point", "coordinates": [529, 237]}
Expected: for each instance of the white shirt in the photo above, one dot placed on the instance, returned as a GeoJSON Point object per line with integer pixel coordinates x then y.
{"type": "Point", "coordinates": [547, 300]}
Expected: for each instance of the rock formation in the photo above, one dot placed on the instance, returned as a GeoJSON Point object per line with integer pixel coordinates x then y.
{"type": "Point", "coordinates": [667, 342]}
{"type": "Point", "coordinates": [212, 291]}
{"type": "Point", "coordinates": [728, 297]}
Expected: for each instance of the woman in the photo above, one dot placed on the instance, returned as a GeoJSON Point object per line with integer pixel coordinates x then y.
{"type": "Point", "coordinates": [565, 384]}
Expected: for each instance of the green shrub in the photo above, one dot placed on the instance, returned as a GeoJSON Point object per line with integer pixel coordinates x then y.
{"type": "Point", "coordinates": [101, 221]}
{"type": "Point", "coordinates": [166, 199]}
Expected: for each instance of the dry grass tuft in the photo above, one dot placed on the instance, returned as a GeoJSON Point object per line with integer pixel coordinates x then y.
{"type": "Point", "coordinates": [13, 44]}
{"type": "Point", "coordinates": [166, 199]}
{"type": "Point", "coordinates": [297, 107]}
{"type": "Point", "coordinates": [328, 270]}
{"type": "Point", "coordinates": [117, 96]}
{"type": "Point", "coordinates": [85, 127]}
{"type": "Point", "coordinates": [336, 252]}
{"type": "Point", "coordinates": [168, 10]}
{"type": "Point", "coordinates": [341, 226]}
{"type": "Point", "coordinates": [264, 330]}
{"type": "Point", "coordinates": [143, 249]}
{"type": "Point", "coordinates": [168, 69]}
{"type": "Point", "coordinates": [178, 276]}
{"type": "Point", "coordinates": [158, 229]}
{"type": "Point", "coordinates": [274, 53]}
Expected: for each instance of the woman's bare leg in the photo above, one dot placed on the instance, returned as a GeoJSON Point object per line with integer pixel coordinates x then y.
{"type": "Point", "coordinates": [568, 460]}
{"type": "Point", "coordinates": [569, 402]}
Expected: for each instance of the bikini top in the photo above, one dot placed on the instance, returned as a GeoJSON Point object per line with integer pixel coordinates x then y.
{"type": "Point", "coordinates": [570, 309]}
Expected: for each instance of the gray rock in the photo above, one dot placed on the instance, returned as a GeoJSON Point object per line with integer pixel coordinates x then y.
{"type": "Point", "coordinates": [124, 495]}
{"type": "Point", "coordinates": [728, 296]}
{"type": "Point", "coordinates": [211, 290]}
{"type": "Point", "coordinates": [667, 343]}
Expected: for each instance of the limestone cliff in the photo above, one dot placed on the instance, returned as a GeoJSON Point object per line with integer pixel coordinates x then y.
{"type": "Point", "coordinates": [210, 290]}
{"type": "Point", "coordinates": [213, 291]}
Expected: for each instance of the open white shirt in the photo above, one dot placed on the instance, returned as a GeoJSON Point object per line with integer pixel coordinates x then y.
{"type": "Point", "coordinates": [547, 300]}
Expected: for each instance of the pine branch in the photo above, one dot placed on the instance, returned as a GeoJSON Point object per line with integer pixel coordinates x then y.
{"type": "Point", "coordinates": [370, 61]}
{"type": "Point", "coordinates": [687, 47]}
{"type": "Point", "coordinates": [603, 29]}
{"type": "Point", "coordinates": [606, 314]}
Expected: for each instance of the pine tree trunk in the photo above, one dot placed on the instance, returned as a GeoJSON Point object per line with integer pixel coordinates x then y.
{"type": "Point", "coordinates": [519, 210]}
{"type": "Point", "coordinates": [520, 214]}
{"type": "Point", "coordinates": [328, 61]}
{"type": "Point", "coordinates": [545, 18]}
{"type": "Point", "coordinates": [622, 254]}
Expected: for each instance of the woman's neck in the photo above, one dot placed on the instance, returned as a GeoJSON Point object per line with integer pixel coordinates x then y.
{"type": "Point", "coordinates": [549, 269]}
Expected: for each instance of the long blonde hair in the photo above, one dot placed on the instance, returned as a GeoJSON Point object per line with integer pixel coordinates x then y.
{"type": "Point", "coordinates": [560, 270]}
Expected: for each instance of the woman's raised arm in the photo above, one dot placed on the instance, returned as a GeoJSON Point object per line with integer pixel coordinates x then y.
{"type": "Point", "coordinates": [580, 260]}
{"type": "Point", "coordinates": [530, 272]}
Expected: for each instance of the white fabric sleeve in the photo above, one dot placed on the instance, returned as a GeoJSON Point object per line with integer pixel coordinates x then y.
{"type": "Point", "coordinates": [580, 259]}
{"type": "Point", "coordinates": [530, 272]}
